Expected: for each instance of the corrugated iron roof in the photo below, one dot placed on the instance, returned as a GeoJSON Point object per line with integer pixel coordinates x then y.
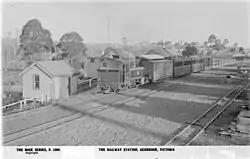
{"type": "Point", "coordinates": [162, 51]}
{"type": "Point", "coordinates": [152, 57]}
{"type": "Point", "coordinates": [53, 68]}
{"type": "Point", "coordinates": [122, 52]}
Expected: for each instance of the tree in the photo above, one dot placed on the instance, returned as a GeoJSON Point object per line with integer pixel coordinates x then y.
{"type": "Point", "coordinates": [236, 45]}
{"type": "Point", "coordinates": [190, 51]}
{"type": "Point", "coordinates": [218, 47]}
{"type": "Point", "coordinates": [167, 43]}
{"type": "Point", "coordinates": [35, 41]}
{"type": "Point", "coordinates": [212, 38]}
{"type": "Point", "coordinates": [218, 42]}
{"type": "Point", "coordinates": [72, 47]}
{"type": "Point", "coordinates": [241, 49]}
{"type": "Point", "coordinates": [225, 42]}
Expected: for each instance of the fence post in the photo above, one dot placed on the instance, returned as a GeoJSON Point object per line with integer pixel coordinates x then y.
{"type": "Point", "coordinates": [24, 102]}
{"type": "Point", "coordinates": [21, 105]}
{"type": "Point", "coordinates": [90, 82]}
{"type": "Point", "coordinates": [42, 98]}
{"type": "Point", "coordinates": [48, 97]}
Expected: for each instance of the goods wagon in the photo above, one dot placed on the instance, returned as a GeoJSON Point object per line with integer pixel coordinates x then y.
{"type": "Point", "coordinates": [157, 69]}
{"type": "Point", "coordinates": [136, 76]}
{"type": "Point", "coordinates": [182, 66]}
{"type": "Point", "coordinates": [197, 64]}
{"type": "Point", "coordinates": [114, 80]}
{"type": "Point", "coordinates": [109, 79]}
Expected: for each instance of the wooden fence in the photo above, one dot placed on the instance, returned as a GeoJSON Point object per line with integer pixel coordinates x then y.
{"type": "Point", "coordinates": [21, 105]}
{"type": "Point", "coordinates": [86, 84]}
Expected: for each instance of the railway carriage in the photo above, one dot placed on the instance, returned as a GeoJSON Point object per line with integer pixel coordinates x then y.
{"type": "Point", "coordinates": [182, 66]}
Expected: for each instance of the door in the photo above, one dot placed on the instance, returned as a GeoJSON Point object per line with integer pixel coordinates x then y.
{"type": "Point", "coordinates": [124, 72]}
{"type": "Point", "coordinates": [69, 85]}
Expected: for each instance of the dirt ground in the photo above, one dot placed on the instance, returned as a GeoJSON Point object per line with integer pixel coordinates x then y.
{"type": "Point", "coordinates": [155, 112]}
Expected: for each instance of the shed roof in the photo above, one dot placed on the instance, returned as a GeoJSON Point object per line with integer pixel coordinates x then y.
{"type": "Point", "coordinates": [155, 61]}
{"type": "Point", "coordinates": [53, 68]}
{"type": "Point", "coordinates": [162, 51]}
{"type": "Point", "coordinates": [152, 57]}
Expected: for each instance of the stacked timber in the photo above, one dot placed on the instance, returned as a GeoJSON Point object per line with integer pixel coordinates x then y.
{"type": "Point", "coordinates": [243, 121]}
{"type": "Point", "coordinates": [240, 127]}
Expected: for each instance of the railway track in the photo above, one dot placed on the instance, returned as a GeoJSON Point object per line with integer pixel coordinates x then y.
{"type": "Point", "coordinates": [10, 138]}
{"type": "Point", "coordinates": [193, 130]}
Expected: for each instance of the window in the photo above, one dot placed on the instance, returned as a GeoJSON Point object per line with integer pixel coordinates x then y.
{"type": "Point", "coordinates": [104, 64]}
{"type": "Point", "coordinates": [177, 64]}
{"type": "Point", "coordinates": [92, 60]}
{"type": "Point", "coordinates": [36, 82]}
{"type": "Point", "coordinates": [82, 65]}
{"type": "Point", "coordinates": [115, 56]}
{"type": "Point", "coordinates": [187, 63]}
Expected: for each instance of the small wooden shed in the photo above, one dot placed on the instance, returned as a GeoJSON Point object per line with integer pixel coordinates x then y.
{"type": "Point", "coordinates": [57, 78]}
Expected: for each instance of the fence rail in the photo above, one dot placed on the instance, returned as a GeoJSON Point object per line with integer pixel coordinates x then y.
{"type": "Point", "coordinates": [43, 98]}
{"type": "Point", "coordinates": [86, 84]}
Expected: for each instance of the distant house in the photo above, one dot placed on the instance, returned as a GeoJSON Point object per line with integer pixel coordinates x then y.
{"type": "Point", "coordinates": [158, 50]}
{"type": "Point", "coordinates": [94, 63]}
{"type": "Point", "coordinates": [111, 58]}
{"type": "Point", "coordinates": [120, 54]}
{"type": "Point", "coordinates": [91, 66]}
{"type": "Point", "coordinates": [57, 78]}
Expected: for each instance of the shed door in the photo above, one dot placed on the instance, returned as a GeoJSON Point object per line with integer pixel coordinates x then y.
{"type": "Point", "coordinates": [69, 86]}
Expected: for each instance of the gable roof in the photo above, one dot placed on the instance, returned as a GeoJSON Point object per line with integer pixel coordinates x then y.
{"type": "Point", "coordinates": [117, 60]}
{"type": "Point", "coordinates": [161, 51]}
{"type": "Point", "coordinates": [53, 68]}
{"type": "Point", "coordinates": [121, 52]}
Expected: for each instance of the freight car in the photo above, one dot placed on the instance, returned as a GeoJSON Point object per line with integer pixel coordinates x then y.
{"type": "Point", "coordinates": [114, 80]}
{"type": "Point", "coordinates": [156, 70]}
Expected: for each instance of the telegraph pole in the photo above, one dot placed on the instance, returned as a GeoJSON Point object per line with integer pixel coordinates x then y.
{"type": "Point", "coordinates": [108, 29]}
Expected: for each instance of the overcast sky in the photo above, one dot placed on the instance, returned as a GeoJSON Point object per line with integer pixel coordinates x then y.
{"type": "Point", "coordinates": [148, 21]}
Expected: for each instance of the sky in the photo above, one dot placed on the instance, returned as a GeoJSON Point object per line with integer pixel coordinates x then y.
{"type": "Point", "coordinates": [137, 21]}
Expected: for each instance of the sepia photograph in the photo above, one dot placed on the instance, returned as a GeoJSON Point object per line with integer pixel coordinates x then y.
{"type": "Point", "coordinates": [142, 73]}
